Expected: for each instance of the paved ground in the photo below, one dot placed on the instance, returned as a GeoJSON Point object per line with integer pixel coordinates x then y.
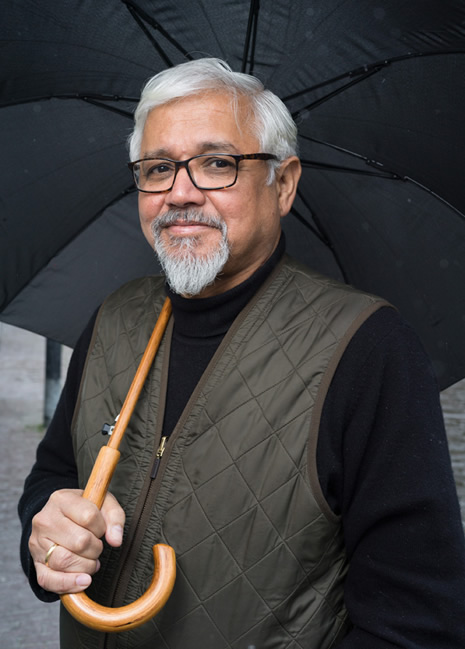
{"type": "Point", "coordinates": [27, 623]}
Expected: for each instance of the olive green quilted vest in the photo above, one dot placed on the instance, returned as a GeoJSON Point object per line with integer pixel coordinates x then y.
{"type": "Point", "coordinates": [260, 556]}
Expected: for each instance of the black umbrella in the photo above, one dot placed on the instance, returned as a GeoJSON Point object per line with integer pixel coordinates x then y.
{"type": "Point", "coordinates": [377, 90]}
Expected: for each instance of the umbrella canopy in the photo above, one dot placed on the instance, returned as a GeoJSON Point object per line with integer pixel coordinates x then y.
{"type": "Point", "coordinates": [377, 92]}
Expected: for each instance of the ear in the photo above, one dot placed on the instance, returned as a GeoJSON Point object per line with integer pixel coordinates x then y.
{"type": "Point", "coordinates": [287, 178]}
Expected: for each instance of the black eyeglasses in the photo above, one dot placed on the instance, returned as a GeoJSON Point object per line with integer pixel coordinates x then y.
{"type": "Point", "coordinates": [206, 171]}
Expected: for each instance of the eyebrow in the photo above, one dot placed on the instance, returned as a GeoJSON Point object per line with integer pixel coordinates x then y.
{"type": "Point", "coordinates": [205, 147]}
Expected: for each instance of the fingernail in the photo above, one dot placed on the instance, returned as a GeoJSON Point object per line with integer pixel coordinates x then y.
{"type": "Point", "coordinates": [83, 580]}
{"type": "Point", "coordinates": [117, 532]}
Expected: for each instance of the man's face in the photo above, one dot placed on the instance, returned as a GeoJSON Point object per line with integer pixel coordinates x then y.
{"type": "Point", "coordinates": [251, 209]}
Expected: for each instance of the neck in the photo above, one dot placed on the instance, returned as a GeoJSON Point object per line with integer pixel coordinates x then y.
{"type": "Point", "coordinates": [211, 316]}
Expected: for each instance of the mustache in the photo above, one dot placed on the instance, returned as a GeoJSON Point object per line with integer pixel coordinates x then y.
{"type": "Point", "coordinates": [186, 216]}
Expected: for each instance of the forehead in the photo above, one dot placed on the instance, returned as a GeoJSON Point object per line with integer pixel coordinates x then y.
{"type": "Point", "coordinates": [197, 124]}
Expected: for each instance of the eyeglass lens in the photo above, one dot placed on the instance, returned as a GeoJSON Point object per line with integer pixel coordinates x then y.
{"type": "Point", "coordinates": [207, 172]}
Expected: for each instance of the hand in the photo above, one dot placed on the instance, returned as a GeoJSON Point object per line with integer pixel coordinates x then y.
{"type": "Point", "coordinates": [76, 525]}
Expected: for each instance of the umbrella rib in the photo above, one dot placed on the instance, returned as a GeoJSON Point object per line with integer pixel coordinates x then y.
{"type": "Point", "coordinates": [390, 175]}
{"type": "Point", "coordinates": [96, 99]}
{"type": "Point", "coordinates": [251, 36]}
{"type": "Point", "coordinates": [454, 209]}
{"type": "Point", "coordinates": [101, 104]}
{"type": "Point", "coordinates": [382, 173]}
{"type": "Point", "coordinates": [308, 225]}
{"type": "Point", "coordinates": [361, 73]}
{"type": "Point", "coordinates": [334, 93]}
{"type": "Point", "coordinates": [254, 41]}
{"type": "Point", "coordinates": [139, 15]}
{"type": "Point", "coordinates": [319, 232]}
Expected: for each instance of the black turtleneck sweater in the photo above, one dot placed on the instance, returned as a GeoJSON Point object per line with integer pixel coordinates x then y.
{"type": "Point", "coordinates": [199, 327]}
{"type": "Point", "coordinates": [383, 466]}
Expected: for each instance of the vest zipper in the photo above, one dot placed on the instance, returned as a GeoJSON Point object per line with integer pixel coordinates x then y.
{"type": "Point", "coordinates": [110, 639]}
{"type": "Point", "coordinates": [159, 455]}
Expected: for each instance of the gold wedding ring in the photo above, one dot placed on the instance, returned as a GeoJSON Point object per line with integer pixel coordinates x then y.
{"type": "Point", "coordinates": [49, 553]}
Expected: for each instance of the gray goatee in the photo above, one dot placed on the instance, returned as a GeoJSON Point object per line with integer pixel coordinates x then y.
{"type": "Point", "coordinates": [187, 271]}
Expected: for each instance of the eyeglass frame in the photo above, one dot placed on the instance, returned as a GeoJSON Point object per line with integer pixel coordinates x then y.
{"type": "Point", "coordinates": [179, 164]}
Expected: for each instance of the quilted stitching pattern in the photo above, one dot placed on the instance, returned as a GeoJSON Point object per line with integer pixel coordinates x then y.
{"type": "Point", "coordinates": [258, 563]}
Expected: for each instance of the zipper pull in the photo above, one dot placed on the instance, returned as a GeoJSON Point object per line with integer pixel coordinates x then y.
{"type": "Point", "coordinates": [159, 455]}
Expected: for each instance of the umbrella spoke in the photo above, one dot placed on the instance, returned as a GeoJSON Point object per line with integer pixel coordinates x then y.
{"type": "Point", "coordinates": [140, 16]}
{"type": "Point", "coordinates": [97, 100]}
{"type": "Point", "coordinates": [100, 102]}
{"type": "Point", "coordinates": [456, 211]}
{"type": "Point", "coordinates": [381, 172]}
{"type": "Point", "coordinates": [251, 34]}
{"type": "Point", "coordinates": [308, 225]}
{"type": "Point", "coordinates": [315, 164]}
{"type": "Point", "coordinates": [388, 175]}
{"type": "Point", "coordinates": [318, 231]}
{"type": "Point", "coordinates": [356, 76]}
{"type": "Point", "coordinates": [363, 75]}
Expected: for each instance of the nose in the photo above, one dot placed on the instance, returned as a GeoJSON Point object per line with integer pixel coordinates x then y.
{"type": "Point", "coordinates": [184, 192]}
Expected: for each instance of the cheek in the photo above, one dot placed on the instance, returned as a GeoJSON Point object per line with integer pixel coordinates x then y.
{"type": "Point", "coordinates": [233, 209]}
{"type": "Point", "coordinates": [244, 215]}
{"type": "Point", "coordinates": [255, 227]}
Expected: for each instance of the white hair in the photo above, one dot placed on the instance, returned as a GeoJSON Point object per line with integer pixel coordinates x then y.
{"type": "Point", "coordinates": [274, 127]}
{"type": "Point", "coordinates": [187, 272]}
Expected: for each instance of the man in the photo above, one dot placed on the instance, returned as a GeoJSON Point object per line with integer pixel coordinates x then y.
{"type": "Point", "coordinates": [288, 443]}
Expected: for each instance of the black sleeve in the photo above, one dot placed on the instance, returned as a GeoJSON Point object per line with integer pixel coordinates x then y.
{"type": "Point", "coordinates": [55, 467]}
{"type": "Point", "coordinates": [384, 467]}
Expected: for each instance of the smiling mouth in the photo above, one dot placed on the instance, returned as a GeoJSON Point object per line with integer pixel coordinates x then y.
{"type": "Point", "coordinates": [188, 222]}
{"type": "Point", "coordinates": [183, 223]}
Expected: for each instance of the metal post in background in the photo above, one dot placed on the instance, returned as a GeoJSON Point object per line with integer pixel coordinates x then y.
{"type": "Point", "coordinates": [52, 379]}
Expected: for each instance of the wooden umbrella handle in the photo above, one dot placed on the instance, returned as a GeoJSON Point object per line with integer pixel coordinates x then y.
{"type": "Point", "coordinates": [104, 618]}
{"type": "Point", "coordinates": [80, 606]}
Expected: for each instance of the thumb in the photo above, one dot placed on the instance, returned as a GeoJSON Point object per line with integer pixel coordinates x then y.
{"type": "Point", "coordinates": [114, 517]}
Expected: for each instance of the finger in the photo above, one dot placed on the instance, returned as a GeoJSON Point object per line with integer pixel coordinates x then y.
{"type": "Point", "coordinates": [61, 582]}
{"type": "Point", "coordinates": [114, 517]}
{"type": "Point", "coordinates": [61, 559]}
{"type": "Point", "coordinates": [70, 521]}
{"type": "Point", "coordinates": [68, 535]}
{"type": "Point", "coordinates": [79, 510]}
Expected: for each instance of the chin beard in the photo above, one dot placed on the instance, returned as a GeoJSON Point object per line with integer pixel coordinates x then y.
{"type": "Point", "coordinates": [188, 272]}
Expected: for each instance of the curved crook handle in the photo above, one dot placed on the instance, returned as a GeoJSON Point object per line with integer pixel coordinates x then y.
{"type": "Point", "coordinates": [103, 618]}
{"type": "Point", "coordinates": [80, 606]}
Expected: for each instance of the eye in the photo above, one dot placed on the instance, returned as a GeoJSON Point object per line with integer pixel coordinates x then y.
{"type": "Point", "coordinates": [223, 163]}
{"type": "Point", "coordinates": [156, 168]}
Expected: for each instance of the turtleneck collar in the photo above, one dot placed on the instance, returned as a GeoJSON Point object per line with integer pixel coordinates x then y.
{"type": "Point", "coordinates": [211, 317]}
